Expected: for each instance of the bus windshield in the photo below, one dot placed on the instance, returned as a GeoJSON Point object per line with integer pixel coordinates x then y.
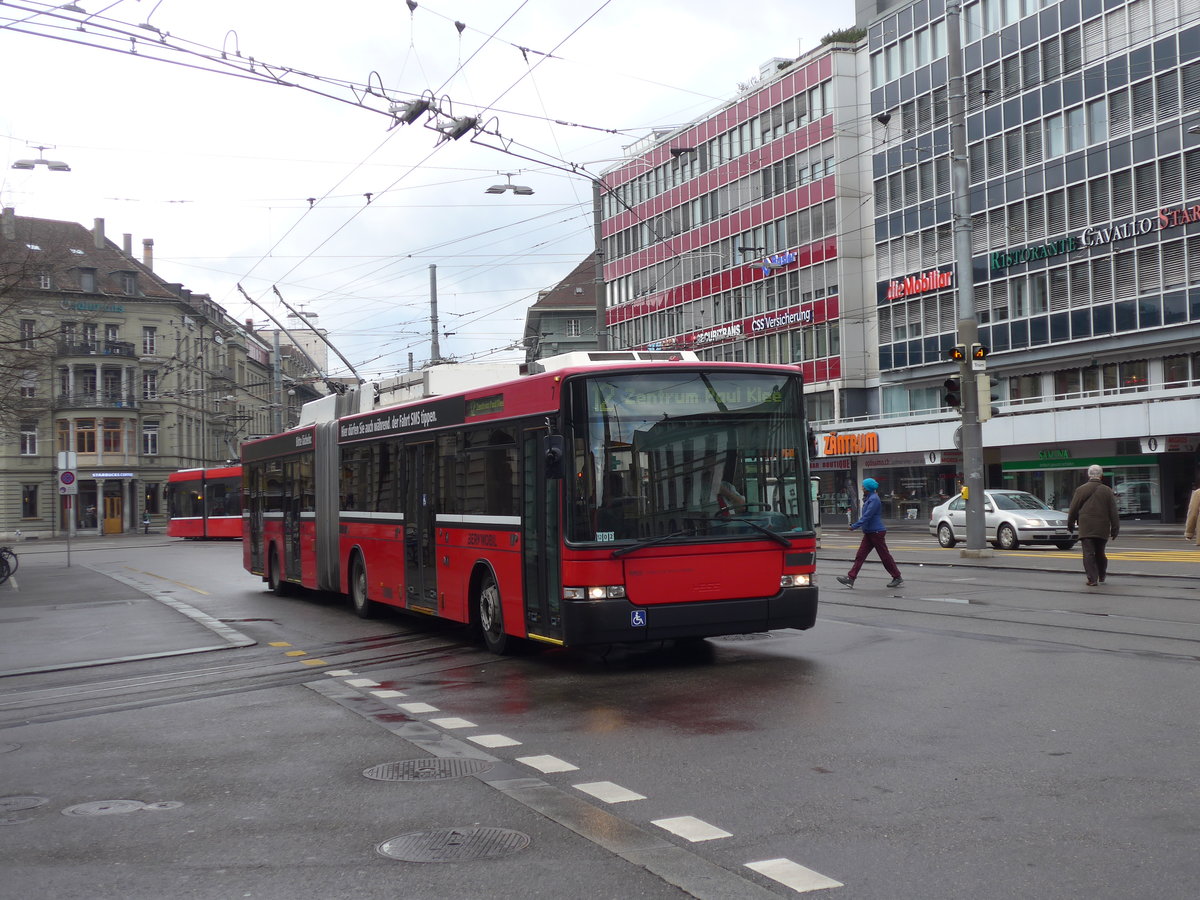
{"type": "Point", "coordinates": [686, 454]}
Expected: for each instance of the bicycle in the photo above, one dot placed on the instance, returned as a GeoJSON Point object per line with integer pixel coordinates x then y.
{"type": "Point", "coordinates": [8, 563]}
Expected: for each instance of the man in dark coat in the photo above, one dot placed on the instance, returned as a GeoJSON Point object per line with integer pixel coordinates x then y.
{"type": "Point", "coordinates": [1094, 511]}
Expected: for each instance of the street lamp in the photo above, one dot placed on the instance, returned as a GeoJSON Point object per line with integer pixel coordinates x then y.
{"type": "Point", "coordinates": [53, 165]}
{"type": "Point", "coordinates": [518, 189]}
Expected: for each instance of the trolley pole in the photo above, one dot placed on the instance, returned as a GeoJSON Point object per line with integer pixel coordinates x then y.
{"type": "Point", "coordinates": [968, 323]}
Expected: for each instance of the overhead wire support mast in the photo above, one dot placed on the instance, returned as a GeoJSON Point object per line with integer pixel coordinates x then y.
{"type": "Point", "coordinates": [335, 387]}
{"type": "Point", "coordinates": [971, 430]}
{"type": "Point", "coordinates": [318, 333]}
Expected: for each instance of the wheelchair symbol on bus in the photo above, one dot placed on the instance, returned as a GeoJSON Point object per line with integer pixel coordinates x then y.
{"type": "Point", "coordinates": [637, 618]}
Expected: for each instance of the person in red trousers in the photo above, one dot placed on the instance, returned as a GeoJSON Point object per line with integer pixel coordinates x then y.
{"type": "Point", "coordinates": [874, 537]}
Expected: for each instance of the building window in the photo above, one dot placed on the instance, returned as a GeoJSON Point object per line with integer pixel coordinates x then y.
{"type": "Point", "coordinates": [149, 439]}
{"type": "Point", "coordinates": [28, 327]}
{"type": "Point", "coordinates": [149, 385]}
{"type": "Point", "coordinates": [87, 281]}
{"type": "Point", "coordinates": [27, 388]}
{"type": "Point", "coordinates": [129, 283]}
{"type": "Point", "coordinates": [112, 435]}
{"type": "Point", "coordinates": [89, 335]}
{"type": "Point", "coordinates": [149, 340]}
{"type": "Point", "coordinates": [573, 327]}
{"type": "Point", "coordinates": [85, 436]}
{"type": "Point", "coordinates": [29, 501]}
{"type": "Point", "coordinates": [62, 429]}
{"type": "Point", "coordinates": [29, 437]}
{"type": "Point", "coordinates": [45, 281]}
{"type": "Point", "coordinates": [1025, 387]}
{"type": "Point", "coordinates": [112, 333]}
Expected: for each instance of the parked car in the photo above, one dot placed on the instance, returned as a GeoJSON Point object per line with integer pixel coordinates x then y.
{"type": "Point", "coordinates": [1010, 518]}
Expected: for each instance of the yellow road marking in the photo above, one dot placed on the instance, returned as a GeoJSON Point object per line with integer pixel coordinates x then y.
{"type": "Point", "coordinates": [314, 662]}
{"type": "Point", "coordinates": [296, 653]}
{"type": "Point", "coordinates": [279, 644]}
{"type": "Point", "coordinates": [168, 580]}
{"type": "Point", "coordinates": [1110, 552]}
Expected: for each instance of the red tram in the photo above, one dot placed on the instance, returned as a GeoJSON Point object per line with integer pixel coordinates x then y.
{"type": "Point", "coordinates": [205, 503]}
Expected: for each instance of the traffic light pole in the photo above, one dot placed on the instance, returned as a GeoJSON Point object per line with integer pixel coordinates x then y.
{"type": "Point", "coordinates": [968, 324]}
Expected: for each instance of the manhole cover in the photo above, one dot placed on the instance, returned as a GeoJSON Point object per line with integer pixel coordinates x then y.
{"type": "Point", "coordinates": [162, 804]}
{"type": "Point", "coordinates": [432, 769]}
{"type": "Point", "coordinates": [454, 844]}
{"type": "Point", "coordinates": [12, 804]}
{"type": "Point", "coordinates": [104, 808]}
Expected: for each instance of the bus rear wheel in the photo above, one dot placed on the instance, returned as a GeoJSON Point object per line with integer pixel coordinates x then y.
{"type": "Point", "coordinates": [364, 607]}
{"type": "Point", "coordinates": [491, 616]}
{"type": "Point", "coordinates": [275, 584]}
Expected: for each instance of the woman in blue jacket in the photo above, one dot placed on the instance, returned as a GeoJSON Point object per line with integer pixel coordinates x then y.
{"type": "Point", "coordinates": [874, 537]}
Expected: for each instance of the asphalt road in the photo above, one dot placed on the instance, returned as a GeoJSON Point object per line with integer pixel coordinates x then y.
{"type": "Point", "coordinates": [990, 729]}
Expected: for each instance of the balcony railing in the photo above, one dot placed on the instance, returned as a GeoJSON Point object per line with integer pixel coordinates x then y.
{"type": "Point", "coordinates": [97, 400]}
{"type": "Point", "coordinates": [97, 348]}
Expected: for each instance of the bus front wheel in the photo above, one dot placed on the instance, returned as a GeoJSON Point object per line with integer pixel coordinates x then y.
{"type": "Point", "coordinates": [364, 607]}
{"type": "Point", "coordinates": [491, 616]}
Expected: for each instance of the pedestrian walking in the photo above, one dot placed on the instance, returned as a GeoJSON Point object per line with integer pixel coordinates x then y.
{"type": "Point", "coordinates": [1094, 511]}
{"type": "Point", "coordinates": [1191, 525]}
{"type": "Point", "coordinates": [874, 537]}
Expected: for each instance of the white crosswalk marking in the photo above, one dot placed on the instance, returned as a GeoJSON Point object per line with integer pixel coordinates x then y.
{"type": "Point", "coordinates": [793, 875]}
{"type": "Point", "coordinates": [547, 764]}
{"type": "Point", "coordinates": [691, 829]}
{"type": "Point", "coordinates": [609, 792]}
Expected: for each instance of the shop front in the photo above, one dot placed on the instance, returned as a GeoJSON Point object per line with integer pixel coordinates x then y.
{"type": "Point", "coordinates": [1149, 486]}
{"type": "Point", "coordinates": [912, 484]}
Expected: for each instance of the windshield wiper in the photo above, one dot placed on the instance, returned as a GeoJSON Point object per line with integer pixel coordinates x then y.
{"type": "Point", "coordinates": [773, 535]}
{"type": "Point", "coordinates": [650, 542]}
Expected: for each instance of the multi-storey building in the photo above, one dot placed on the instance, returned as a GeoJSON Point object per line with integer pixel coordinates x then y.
{"type": "Point", "coordinates": [745, 234]}
{"type": "Point", "coordinates": [1083, 132]}
{"type": "Point", "coordinates": [138, 377]}
{"type": "Point", "coordinates": [563, 318]}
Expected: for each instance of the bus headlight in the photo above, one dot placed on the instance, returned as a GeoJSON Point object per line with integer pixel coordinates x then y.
{"type": "Point", "coordinates": [595, 592]}
{"type": "Point", "coordinates": [787, 581]}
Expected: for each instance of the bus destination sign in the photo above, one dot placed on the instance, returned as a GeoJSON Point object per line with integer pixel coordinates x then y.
{"type": "Point", "coordinates": [424, 417]}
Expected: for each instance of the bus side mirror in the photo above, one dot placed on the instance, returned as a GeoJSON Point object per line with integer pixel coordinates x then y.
{"type": "Point", "coordinates": [554, 446]}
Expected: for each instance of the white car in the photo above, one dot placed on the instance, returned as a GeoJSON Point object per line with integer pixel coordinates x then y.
{"type": "Point", "coordinates": [1010, 518]}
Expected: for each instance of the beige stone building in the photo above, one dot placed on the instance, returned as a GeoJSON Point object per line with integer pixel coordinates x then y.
{"type": "Point", "coordinates": [138, 377]}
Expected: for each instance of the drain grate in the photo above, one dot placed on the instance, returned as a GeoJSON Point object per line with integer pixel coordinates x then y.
{"type": "Point", "coordinates": [431, 769]}
{"type": "Point", "coordinates": [454, 844]}
{"type": "Point", "coordinates": [13, 804]}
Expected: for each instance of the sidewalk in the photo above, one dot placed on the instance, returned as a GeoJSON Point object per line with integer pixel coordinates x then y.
{"type": "Point", "coordinates": [53, 617]}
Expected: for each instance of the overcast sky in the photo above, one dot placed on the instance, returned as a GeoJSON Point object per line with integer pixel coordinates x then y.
{"type": "Point", "coordinates": [218, 168]}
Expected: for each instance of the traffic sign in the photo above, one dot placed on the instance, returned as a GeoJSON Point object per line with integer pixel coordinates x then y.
{"type": "Point", "coordinates": [68, 483]}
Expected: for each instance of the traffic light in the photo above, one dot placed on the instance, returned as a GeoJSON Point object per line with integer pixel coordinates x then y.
{"type": "Point", "coordinates": [957, 353]}
{"type": "Point", "coordinates": [953, 395]}
{"type": "Point", "coordinates": [988, 395]}
{"type": "Point", "coordinates": [979, 351]}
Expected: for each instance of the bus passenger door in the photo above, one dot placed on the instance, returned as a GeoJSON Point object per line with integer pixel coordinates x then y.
{"type": "Point", "coordinates": [541, 541]}
{"type": "Point", "coordinates": [254, 492]}
{"type": "Point", "coordinates": [291, 522]}
{"type": "Point", "coordinates": [420, 544]}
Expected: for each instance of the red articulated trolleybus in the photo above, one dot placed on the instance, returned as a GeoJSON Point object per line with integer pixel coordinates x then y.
{"type": "Point", "coordinates": [205, 503]}
{"type": "Point", "coordinates": [634, 497]}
